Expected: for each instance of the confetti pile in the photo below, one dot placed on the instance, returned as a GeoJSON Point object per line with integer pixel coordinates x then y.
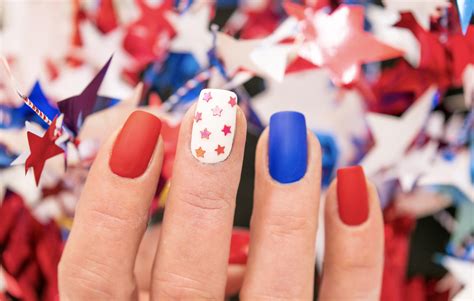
{"type": "Point", "coordinates": [388, 85]}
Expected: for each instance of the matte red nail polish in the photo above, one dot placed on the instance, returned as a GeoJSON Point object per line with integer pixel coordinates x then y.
{"type": "Point", "coordinates": [352, 195]}
{"type": "Point", "coordinates": [135, 144]}
{"type": "Point", "coordinates": [239, 246]}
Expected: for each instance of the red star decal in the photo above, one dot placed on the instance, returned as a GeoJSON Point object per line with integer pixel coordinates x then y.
{"type": "Point", "coordinates": [41, 149]}
{"type": "Point", "coordinates": [232, 101]}
{"type": "Point", "coordinates": [339, 43]}
{"type": "Point", "coordinates": [220, 149]}
{"type": "Point", "coordinates": [226, 130]}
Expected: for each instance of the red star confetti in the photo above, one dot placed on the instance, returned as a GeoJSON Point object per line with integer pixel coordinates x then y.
{"type": "Point", "coordinates": [232, 101]}
{"type": "Point", "coordinates": [344, 52]}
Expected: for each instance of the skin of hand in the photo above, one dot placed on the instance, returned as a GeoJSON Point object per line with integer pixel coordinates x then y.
{"type": "Point", "coordinates": [110, 254]}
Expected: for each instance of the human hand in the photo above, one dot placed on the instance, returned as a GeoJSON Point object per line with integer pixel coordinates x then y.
{"type": "Point", "coordinates": [191, 260]}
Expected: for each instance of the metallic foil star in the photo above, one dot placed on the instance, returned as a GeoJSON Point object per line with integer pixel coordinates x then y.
{"type": "Point", "coordinates": [216, 111]}
{"type": "Point", "coordinates": [205, 134]}
{"type": "Point", "coordinates": [226, 130]}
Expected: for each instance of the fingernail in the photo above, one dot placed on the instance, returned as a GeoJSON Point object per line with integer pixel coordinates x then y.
{"type": "Point", "coordinates": [352, 198]}
{"type": "Point", "coordinates": [287, 147]}
{"type": "Point", "coordinates": [135, 145]}
{"type": "Point", "coordinates": [239, 246]}
{"type": "Point", "coordinates": [214, 125]}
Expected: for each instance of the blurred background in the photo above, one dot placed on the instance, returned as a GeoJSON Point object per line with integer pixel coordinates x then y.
{"type": "Point", "coordinates": [385, 84]}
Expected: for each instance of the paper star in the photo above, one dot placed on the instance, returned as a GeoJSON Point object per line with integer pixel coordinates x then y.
{"type": "Point", "coordinates": [455, 172]}
{"type": "Point", "coordinates": [41, 149]}
{"type": "Point", "coordinates": [422, 10]}
{"type": "Point", "coordinates": [207, 96]}
{"type": "Point", "coordinates": [198, 117]}
{"type": "Point", "coordinates": [338, 43]}
{"type": "Point", "coordinates": [200, 152]}
{"type": "Point", "coordinates": [216, 111]}
{"type": "Point", "coordinates": [466, 10]}
{"type": "Point", "coordinates": [220, 149]}
{"type": "Point", "coordinates": [226, 130]}
{"type": "Point", "coordinates": [192, 33]}
{"type": "Point", "coordinates": [464, 272]}
{"type": "Point", "coordinates": [257, 56]}
{"type": "Point", "coordinates": [414, 164]}
{"type": "Point", "coordinates": [382, 23]}
{"type": "Point", "coordinates": [97, 48]}
{"type": "Point", "coordinates": [232, 101]}
{"type": "Point", "coordinates": [79, 107]}
{"type": "Point", "coordinates": [393, 135]}
{"type": "Point", "coordinates": [205, 134]}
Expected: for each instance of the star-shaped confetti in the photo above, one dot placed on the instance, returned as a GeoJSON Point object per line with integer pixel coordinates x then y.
{"type": "Point", "coordinates": [257, 56]}
{"type": "Point", "coordinates": [216, 111]}
{"type": "Point", "coordinates": [422, 10]}
{"type": "Point", "coordinates": [454, 172]}
{"type": "Point", "coordinates": [466, 10]}
{"type": "Point", "coordinates": [219, 149]}
{"type": "Point", "coordinates": [226, 130]}
{"type": "Point", "coordinates": [41, 149]}
{"type": "Point", "coordinates": [464, 272]}
{"type": "Point", "coordinates": [393, 135]}
{"type": "Point", "coordinates": [192, 33]}
{"type": "Point", "coordinates": [232, 101]}
{"type": "Point", "coordinates": [77, 108]}
{"type": "Point", "coordinates": [200, 152]}
{"type": "Point", "coordinates": [344, 52]}
{"type": "Point", "coordinates": [198, 117]}
{"type": "Point", "coordinates": [205, 134]}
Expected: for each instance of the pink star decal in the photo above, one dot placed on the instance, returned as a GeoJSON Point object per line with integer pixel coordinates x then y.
{"type": "Point", "coordinates": [205, 134]}
{"type": "Point", "coordinates": [226, 130]}
{"type": "Point", "coordinates": [232, 101]}
{"type": "Point", "coordinates": [217, 111]}
{"type": "Point", "coordinates": [207, 96]}
{"type": "Point", "coordinates": [220, 149]}
{"type": "Point", "coordinates": [198, 117]}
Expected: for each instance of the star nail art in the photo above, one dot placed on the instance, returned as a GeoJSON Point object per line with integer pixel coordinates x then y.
{"type": "Point", "coordinates": [213, 127]}
{"type": "Point", "coordinates": [205, 134]}
{"type": "Point", "coordinates": [226, 130]}
{"type": "Point", "coordinates": [220, 149]}
{"type": "Point", "coordinates": [200, 152]}
{"type": "Point", "coordinates": [216, 111]}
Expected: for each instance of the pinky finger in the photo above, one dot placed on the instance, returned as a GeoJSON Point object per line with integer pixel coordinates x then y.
{"type": "Point", "coordinates": [354, 239]}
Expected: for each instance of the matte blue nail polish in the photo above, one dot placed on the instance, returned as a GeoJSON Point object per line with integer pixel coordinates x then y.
{"type": "Point", "coordinates": [287, 147]}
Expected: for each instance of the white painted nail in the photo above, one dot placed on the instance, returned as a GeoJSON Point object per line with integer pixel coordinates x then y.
{"type": "Point", "coordinates": [214, 125]}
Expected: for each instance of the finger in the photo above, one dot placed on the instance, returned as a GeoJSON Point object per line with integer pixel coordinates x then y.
{"type": "Point", "coordinates": [192, 256]}
{"type": "Point", "coordinates": [284, 220]}
{"type": "Point", "coordinates": [112, 214]}
{"type": "Point", "coordinates": [353, 258]}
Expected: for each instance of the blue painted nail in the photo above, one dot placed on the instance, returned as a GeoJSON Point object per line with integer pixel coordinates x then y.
{"type": "Point", "coordinates": [287, 147]}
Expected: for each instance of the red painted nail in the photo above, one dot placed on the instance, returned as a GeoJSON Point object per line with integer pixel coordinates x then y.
{"type": "Point", "coordinates": [239, 246]}
{"type": "Point", "coordinates": [352, 195]}
{"type": "Point", "coordinates": [135, 144]}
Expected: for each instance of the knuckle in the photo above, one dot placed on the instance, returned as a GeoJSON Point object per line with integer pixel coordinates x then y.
{"type": "Point", "coordinates": [91, 280]}
{"type": "Point", "coordinates": [172, 286]}
{"type": "Point", "coordinates": [287, 226]}
{"type": "Point", "coordinates": [206, 201]}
